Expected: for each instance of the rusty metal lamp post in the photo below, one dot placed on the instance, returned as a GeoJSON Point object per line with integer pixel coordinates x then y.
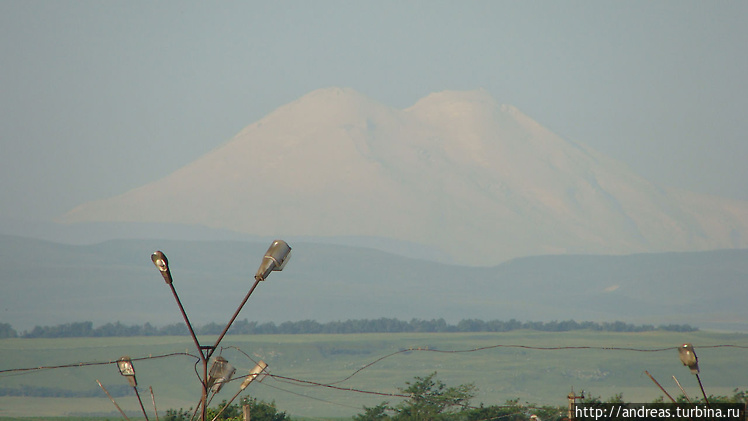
{"type": "Point", "coordinates": [126, 369]}
{"type": "Point", "coordinates": [275, 259]}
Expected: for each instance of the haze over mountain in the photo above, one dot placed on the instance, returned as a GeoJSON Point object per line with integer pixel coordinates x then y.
{"type": "Point", "coordinates": [457, 171]}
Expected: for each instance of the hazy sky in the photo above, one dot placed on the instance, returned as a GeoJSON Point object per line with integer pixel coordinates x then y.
{"type": "Point", "coordinates": [97, 98]}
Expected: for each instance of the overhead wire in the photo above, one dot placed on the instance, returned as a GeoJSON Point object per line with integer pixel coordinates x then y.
{"type": "Point", "coordinates": [538, 348]}
{"type": "Point", "coordinates": [308, 397]}
{"type": "Point", "coordinates": [26, 370]}
{"type": "Point", "coordinates": [332, 385]}
{"type": "Point", "coordinates": [412, 349]}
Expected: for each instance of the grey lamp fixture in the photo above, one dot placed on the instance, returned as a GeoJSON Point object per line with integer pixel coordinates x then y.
{"type": "Point", "coordinates": [688, 357]}
{"type": "Point", "coordinates": [162, 263]}
{"type": "Point", "coordinates": [275, 259]}
{"type": "Point", "coordinates": [220, 373]}
{"type": "Point", "coordinates": [253, 373]}
{"type": "Point", "coordinates": [124, 364]}
{"type": "Point", "coordinates": [126, 369]}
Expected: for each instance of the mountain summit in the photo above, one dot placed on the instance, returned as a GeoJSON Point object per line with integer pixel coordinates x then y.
{"type": "Point", "coordinates": [457, 171]}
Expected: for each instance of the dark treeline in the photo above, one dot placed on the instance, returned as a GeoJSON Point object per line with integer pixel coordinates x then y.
{"type": "Point", "coordinates": [382, 325]}
{"type": "Point", "coordinates": [56, 392]}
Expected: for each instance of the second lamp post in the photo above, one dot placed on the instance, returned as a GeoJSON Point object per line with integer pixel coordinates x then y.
{"type": "Point", "coordinates": [275, 258]}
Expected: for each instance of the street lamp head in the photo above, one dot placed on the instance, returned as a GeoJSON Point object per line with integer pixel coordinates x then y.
{"type": "Point", "coordinates": [162, 263]}
{"type": "Point", "coordinates": [688, 357]}
{"type": "Point", "coordinates": [275, 258]}
{"type": "Point", "coordinates": [126, 369]}
{"type": "Point", "coordinates": [220, 373]}
{"type": "Point", "coordinates": [253, 373]}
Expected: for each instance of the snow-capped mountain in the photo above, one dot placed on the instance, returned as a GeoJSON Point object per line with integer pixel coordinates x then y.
{"type": "Point", "coordinates": [457, 171]}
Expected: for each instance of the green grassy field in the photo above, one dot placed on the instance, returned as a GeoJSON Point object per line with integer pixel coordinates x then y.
{"type": "Point", "coordinates": [500, 373]}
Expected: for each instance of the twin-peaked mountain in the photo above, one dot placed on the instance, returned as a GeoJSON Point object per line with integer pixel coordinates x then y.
{"type": "Point", "coordinates": [458, 172]}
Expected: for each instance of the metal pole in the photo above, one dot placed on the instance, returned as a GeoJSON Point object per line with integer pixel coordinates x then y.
{"type": "Point", "coordinates": [572, 403]}
{"type": "Point", "coordinates": [236, 313]}
{"type": "Point", "coordinates": [684, 394]}
{"type": "Point", "coordinates": [197, 408]}
{"type": "Point", "coordinates": [159, 259]}
{"type": "Point", "coordinates": [187, 321]}
{"type": "Point", "coordinates": [141, 403]}
{"type": "Point", "coordinates": [702, 391]}
{"type": "Point", "coordinates": [245, 412]}
{"type": "Point", "coordinates": [227, 405]}
{"type": "Point", "coordinates": [153, 398]}
{"type": "Point", "coordinates": [203, 355]}
{"type": "Point", "coordinates": [682, 390]}
{"type": "Point", "coordinates": [112, 399]}
{"type": "Point", "coordinates": [660, 386]}
{"type": "Point", "coordinates": [205, 388]}
{"type": "Point", "coordinates": [210, 350]}
{"type": "Point", "coordinates": [201, 405]}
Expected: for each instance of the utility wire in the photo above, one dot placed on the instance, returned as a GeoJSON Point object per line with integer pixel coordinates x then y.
{"type": "Point", "coordinates": [332, 385]}
{"type": "Point", "coordinates": [292, 380]}
{"type": "Point", "coordinates": [308, 383]}
{"type": "Point", "coordinates": [19, 371]}
{"type": "Point", "coordinates": [309, 397]}
{"type": "Point", "coordinates": [398, 395]}
{"type": "Point", "coordinates": [538, 348]}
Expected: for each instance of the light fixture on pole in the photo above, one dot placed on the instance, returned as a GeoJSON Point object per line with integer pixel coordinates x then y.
{"type": "Point", "coordinates": [162, 263]}
{"type": "Point", "coordinates": [275, 259]}
{"type": "Point", "coordinates": [126, 369]}
{"type": "Point", "coordinates": [253, 374]}
{"type": "Point", "coordinates": [220, 373]}
{"type": "Point", "coordinates": [688, 357]}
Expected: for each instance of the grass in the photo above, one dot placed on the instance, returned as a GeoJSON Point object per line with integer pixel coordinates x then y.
{"type": "Point", "coordinates": [499, 373]}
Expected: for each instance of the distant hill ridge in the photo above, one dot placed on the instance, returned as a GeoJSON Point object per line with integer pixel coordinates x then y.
{"type": "Point", "coordinates": [54, 283]}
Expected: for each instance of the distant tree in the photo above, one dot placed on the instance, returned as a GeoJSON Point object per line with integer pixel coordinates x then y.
{"type": "Point", "coordinates": [263, 411]}
{"type": "Point", "coordinates": [471, 325]}
{"type": "Point", "coordinates": [149, 330]}
{"type": "Point", "coordinates": [117, 329]}
{"type": "Point", "coordinates": [67, 330]}
{"type": "Point", "coordinates": [382, 325]}
{"type": "Point", "coordinates": [259, 410]}
{"type": "Point", "coordinates": [176, 329]}
{"type": "Point", "coordinates": [7, 331]}
{"type": "Point", "coordinates": [178, 415]}
{"type": "Point", "coordinates": [510, 411]}
{"type": "Point", "coordinates": [210, 329]}
{"type": "Point", "coordinates": [377, 413]}
{"type": "Point", "coordinates": [431, 399]}
{"type": "Point", "coordinates": [678, 328]}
